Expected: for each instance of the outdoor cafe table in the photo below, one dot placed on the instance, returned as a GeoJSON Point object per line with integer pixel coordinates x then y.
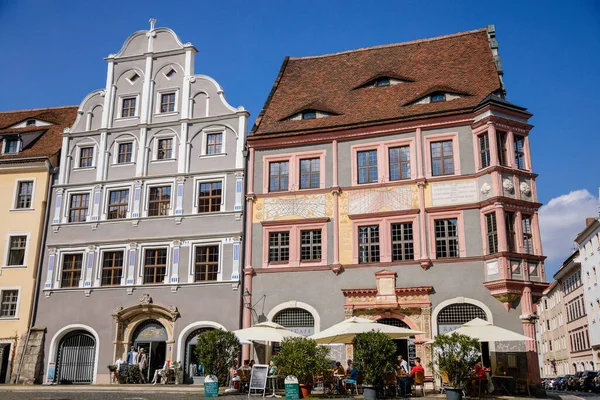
{"type": "Point", "coordinates": [273, 379]}
{"type": "Point", "coordinates": [504, 382]}
{"type": "Point", "coordinates": [339, 378]}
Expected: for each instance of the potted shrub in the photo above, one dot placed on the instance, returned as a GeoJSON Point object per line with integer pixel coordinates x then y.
{"type": "Point", "coordinates": [374, 355]}
{"type": "Point", "coordinates": [217, 350]}
{"type": "Point", "coordinates": [454, 356]}
{"type": "Point", "coordinates": [302, 358]}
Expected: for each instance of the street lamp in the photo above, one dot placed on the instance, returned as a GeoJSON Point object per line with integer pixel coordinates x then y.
{"type": "Point", "coordinates": [247, 298]}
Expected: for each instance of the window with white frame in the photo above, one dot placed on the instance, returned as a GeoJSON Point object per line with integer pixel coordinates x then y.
{"type": "Point", "coordinates": [124, 152]}
{"type": "Point", "coordinates": [9, 301]}
{"type": "Point", "coordinates": [214, 143]}
{"type": "Point", "coordinates": [24, 195]}
{"type": "Point", "coordinates": [210, 196]}
{"type": "Point", "coordinates": [167, 102]}
{"type": "Point", "coordinates": [402, 241]}
{"type": "Point", "coordinates": [86, 157]}
{"type": "Point", "coordinates": [159, 200]}
{"type": "Point", "coordinates": [128, 107]}
{"type": "Point", "coordinates": [11, 145]}
{"type": "Point", "coordinates": [164, 149]}
{"type": "Point", "coordinates": [118, 204]}
{"type": "Point", "coordinates": [310, 245]}
{"type": "Point", "coordinates": [442, 158]}
{"type": "Point", "coordinates": [71, 270]}
{"type": "Point", "coordinates": [279, 176]}
{"type": "Point", "coordinates": [155, 265]}
{"type": "Point", "coordinates": [17, 246]}
{"type": "Point", "coordinates": [78, 207]}
{"type": "Point", "coordinates": [310, 173]}
{"type": "Point", "coordinates": [367, 166]}
{"type": "Point", "coordinates": [112, 267]}
{"type": "Point", "coordinates": [206, 266]}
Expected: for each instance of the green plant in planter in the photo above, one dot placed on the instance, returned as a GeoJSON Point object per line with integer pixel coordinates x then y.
{"type": "Point", "coordinates": [374, 355]}
{"type": "Point", "coordinates": [217, 350]}
{"type": "Point", "coordinates": [454, 355]}
{"type": "Point", "coordinates": [133, 375]}
{"type": "Point", "coordinates": [303, 358]}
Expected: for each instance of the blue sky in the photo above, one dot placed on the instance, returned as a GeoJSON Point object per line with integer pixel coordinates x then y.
{"type": "Point", "coordinates": [53, 52]}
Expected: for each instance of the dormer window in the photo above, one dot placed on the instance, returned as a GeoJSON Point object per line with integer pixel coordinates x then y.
{"type": "Point", "coordinates": [309, 114]}
{"type": "Point", "coordinates": [437, 97]}
{"type": "Point", "coordinates": [30, 122]}
{"type": "Point", "coordinates": [11, 145]}
{"type": "Point", "coordinates": [382, 82]}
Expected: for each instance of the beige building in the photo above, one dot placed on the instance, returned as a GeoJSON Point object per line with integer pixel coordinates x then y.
{"type": "Point", "coordinates": [553, 347]}
{"type": "Point", "coordinates": [30, 143]}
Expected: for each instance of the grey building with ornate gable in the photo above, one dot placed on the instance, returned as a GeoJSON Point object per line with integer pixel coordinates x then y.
{"type": "Point", "coordinates": [145, 232]}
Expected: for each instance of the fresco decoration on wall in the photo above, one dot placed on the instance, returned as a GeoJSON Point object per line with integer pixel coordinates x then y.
{"type": "Point", "coordinates": [302, 206]}
{"type": "Point", "coordinates": [451, 193]}
{"type": "Point", "coordinates": [380, 199]}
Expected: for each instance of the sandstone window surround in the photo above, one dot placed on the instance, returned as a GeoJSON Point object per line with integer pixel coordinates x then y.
{"type": "Point", "coordinates": [293, 231]}
{"type": "Point", "coordinates": [293, 161]}
{"type": "Point", "coordinates": [385, 161]}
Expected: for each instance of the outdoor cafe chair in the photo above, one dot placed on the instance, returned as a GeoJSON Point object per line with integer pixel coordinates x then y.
{"type": "Point", "coordinates": [419, 382]}
{"type": "Point", "coordinates": [390, 382]}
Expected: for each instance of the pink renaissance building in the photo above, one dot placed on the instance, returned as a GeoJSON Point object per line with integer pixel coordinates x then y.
{"type": "Point", "coordinates": [395, 183]}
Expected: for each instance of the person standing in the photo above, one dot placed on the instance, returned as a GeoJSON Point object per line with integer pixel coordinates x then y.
{"type": "Point", "coordinates": [132, 356]}
{"type": "Point", "coordinates": [142, 364]}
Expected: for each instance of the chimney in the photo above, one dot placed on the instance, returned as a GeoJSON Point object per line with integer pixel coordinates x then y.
{"type": "Point", "coordinates": [589, 221]}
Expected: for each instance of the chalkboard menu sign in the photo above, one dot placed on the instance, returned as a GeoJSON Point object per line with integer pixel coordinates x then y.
{"type": "Point", "coordinates": [292, 390]}
{"type": "Point", "coordinates": [412, 352]}
{"type": "Point", "coordinates": [211, 386]}
{"type": "Point", "coordinates": [258, 379]}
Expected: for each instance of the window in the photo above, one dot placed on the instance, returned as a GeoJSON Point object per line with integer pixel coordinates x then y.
{"type": "Point", "coordinates": [527, 236]}
{"type": "Point", "coordinates": [117, 204]}
{"type": "Point", "coordinates": [492, 232]}
{"type": "Point", "coordinates": [279, 247]}
{"type": "Point", "coordinates": [207, 263]}
{"type": "Point", "coordinates": [520, 151]}
{"type": "Point", "coordinates": [24, 192]}
{"type": "Point", "coordinates": [133, 78]}
{"type": "Point", "coordinates": [214, 143]}
{"type": "Point", "coordinates": [30, 122]}
{"type": "Point", "coordinates": [11, 145]}
{"type": "Point", "coordinates": [16, 250]}
{"type": "Point", "coordinates": [310, 245]}
{"type": "Point", "coordinates": [128, 109]}
{"type": "Point", "coordinates": [167, 102]}
{"type": "Point", "coordinates": [511, 235]}
{"type": "Point", "coordinates": [125, 151]}
{"type": "Point", "coordinates": [165, 149]}
{"type": "Point", "coordinates": [367, 166]}
{"type": "Point", "coordinates": [382, 82]}
{"type": "Point", "coordinates": [8, 307]}
{"type": "Point", "coordinates": [210, 197]}
{"type": "Point", "coordinates": [402, 242]}
{"type": "Point", "coordinates": [155, 265]}
{"type": "Point", "coordinates": [438, 97]}
{"type": "Point", "coordinates": [309, 114]}
{"type": "Point", "coordinates": [71, 271]}
{"type": "Point", "coordinates": [279, 176]}
{"type": "Point", "coordinates": [78, 208]}
{"type": "Point", "coordinates": [170, 73]}
{"type": "Point", "coordinates": [112, 268]}
{"type": "Point", "coordinates": [501, 143]}
{"type": "Point", "coordinates": [159, 202]}
{"type": "Point", "coordinates": [86, 158]}
{"type": "Point", "coordinates": [446, 238]}
{"type": "Point", "coordinates": [442, 158]}
{"type": "Point", "coordinates": [484, 150]}
{"type": "Point", "coordinates": [310, 173]}
{"type": "Point", "coordinates": [399, 163]}
{"type": "Point", "coordinates": [368, 244]}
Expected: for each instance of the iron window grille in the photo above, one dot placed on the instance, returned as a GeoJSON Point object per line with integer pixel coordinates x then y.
{"type": "Point", "coordinates": [458, 314]}
{"type": "Point", "coordinates": [367, 166]}
{"type": "Point", "coordinates": [368, 244]}
{"type": "Point", "coordinates": [294, 318]}
{"type": "Point", "coordinates": [207, 263]}
{"type": "Point", "coordinates": [118, 204]}
{"type": "Point", "coordinates": [214, 143]}
{"type": "Point", "coordinates": [210, 197]}
{"type": "Point", "coordinates": [279, 176]}
{"type": "Point", "coordinates": [519, 151]}
{"type": "Point", "coordinates": [310, 245]}
{"type": "Point", "coordinates": [527, 236]}
{"type": "Point", "coordinates": [79, 207]}
{"type": "Point", "coordinates": [8, 308]}
{"type": "Point", "coordinates": [393, 322]}
{"type": "Point", "coordinates": [167, 102]}
{"type": "Point", "coordinates": [402, 242]}
{"type": "Point", "coordinates": [125, 152]}
{"type": "Point", "coordinates": [165, 149]}
{"type": "Point", "coordinates": [484, 150]}
{"type": "Point", "coordinates": [128, 107]}
{"type": "Point", "coordinates": [446, 238]}
{"type": "Point", "coordinates": [86, 158]}
{"type": "Point", "coordinates": [501, 140]}
{"type": "Point", "coordinates": [310, 173]}
{"type": "Point", "coordinates": [279, 247]}
{"type": "Point", "coordinates": [71, 271]}
{"type": "Point", "coordinates": [442, 158]}
{"type": "Point", "coordinates": [16, 251]}
{"type": "Point", "coordinates": [159, 201]}
{"type": "Point", "coordinates": [399, 163]}
{"type": "Point", "coordinates": [155, 265]}
{"type": "Point", "coordinates": [492, 232]}
{"type": "Point", "coordinates": [24, 193]}
{"type": "Point", "coordinates": [112, 268]}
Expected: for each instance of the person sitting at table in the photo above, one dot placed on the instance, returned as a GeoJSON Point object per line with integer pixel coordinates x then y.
{"type": "Point", "coordinates": [351, 376]}
{"type": "Point", "coordinates": [478, 376]}
{"type": "Point", "coordinates": [339, 369]}
{"type": "Point", "coordinates": [500, 368]}
{"type": "Point", "coordinates": [252, 362]}
{"type": "Point", "coordinates": [408, 381]}
{"type": "Point", "coordinates": [402, 365]}
{"type": "Point", "coordinates": [160, 373]}
{"type": "Point", "coordinates": [349, 367]}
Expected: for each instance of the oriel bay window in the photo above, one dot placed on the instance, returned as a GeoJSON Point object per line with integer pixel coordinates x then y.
{"type": "Point", "coordinates": [527, 235]}
{"type": "Point", "coordinates": [24, 193]}
{"type": "Point", "coordinates": [501, 139]}
{"type": "Point", "coordinates": [484, 150]}
{"type": "Point", "coordinates": [367, 166]}
{"type": "Point", "coordinates": [279, 247]}
{"type": "Point", "coordinates": [78, 207]}
{"type": "Point", "coordinates": [71, 270]}
{"type": "Point", "coordinates": [210, 197]}
{"type": "Point", "coordinates": [310, 173]}
{"type": "Point", "coordinates": [117, 204]}
{"type": "Point", "coordinates": [155, 265]}
{"type": "Point", "coordinates": [310, 245]}
{"type": "Point", "coordinates": [511, 235]}
{"type": "Point", "coordinates": [442, 158]}
{"type": "Point", "coordinates": [206, 267]}
{"type": "Point", "coordinates": [492, 232]}
{"type": "Point", "coordinates": [159, 201]}
{"type": "Point", "coordinates": [446, 238]}
{"type": "Point", "coordinates": [112, 268]}
{"type": "Point", "coordinates": [399, 163]}
{"type": "Point", "coordinates": [519, 151]}
{"type": "Point", "coordinates": [402, 242]}
{"type": "Point", "coordinates": [278, 176]}
{"type": "Point", "coordinates": [368, 244]}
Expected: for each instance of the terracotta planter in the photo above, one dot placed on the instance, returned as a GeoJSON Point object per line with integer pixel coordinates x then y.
{"type": "Point", "coordinates": [305, 390]}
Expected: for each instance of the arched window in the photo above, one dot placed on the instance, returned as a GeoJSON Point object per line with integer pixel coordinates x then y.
{"type": "Point", "coordinates": [296, 320]}
{"type": "Point", "coordinates": [454, 315]}
{"type": "Point", "coordinates": [76, 358]}
{"type": "Point", "coordinates": [393, 322]}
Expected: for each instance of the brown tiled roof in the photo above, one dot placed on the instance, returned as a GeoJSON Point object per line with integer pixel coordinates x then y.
{"type": "Point", "coordinates": [461, 63]}
{"type": "Point", "coordinates": [49, 142]}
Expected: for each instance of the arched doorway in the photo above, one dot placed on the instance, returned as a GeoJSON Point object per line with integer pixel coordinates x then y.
{"type": "Point", "coordinates": [404, 347]}
{"type": "Point", "coordinates": [191, 368]}
{"type": "Point", "coordinates": [151, 336]}
{"type": "Point", "coordinates": [76, 358]}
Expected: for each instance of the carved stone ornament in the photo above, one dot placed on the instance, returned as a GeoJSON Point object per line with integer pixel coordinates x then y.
{"type": "Point", "coordinates": [508, 185]}
{"type": "Point", "coordinates": [145, 299]}
{"type": "Point", "coordinates": [116, 311]}
{"type": "Point", "coordinates": [103, 91]}
{"type": "Point", "coordinates": [525, 189]}
{"type": "Point", "coordinates": [192, 79]}
{"type": "Point", "coordinates": [486, 189]}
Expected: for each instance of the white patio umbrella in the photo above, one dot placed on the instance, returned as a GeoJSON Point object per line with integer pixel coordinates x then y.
{"type": "Point", "coordinates": [265, 332]}
{"type": "Point", "coordinates": [345, 331]}
{"type": "Point", "coordinates": [484, 331]}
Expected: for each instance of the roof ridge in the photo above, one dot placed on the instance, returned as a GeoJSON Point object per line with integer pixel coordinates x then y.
{"type": "Point", "coordinates": [383, 46]}
{"type": "Point", "coordinates": [37, 109]}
